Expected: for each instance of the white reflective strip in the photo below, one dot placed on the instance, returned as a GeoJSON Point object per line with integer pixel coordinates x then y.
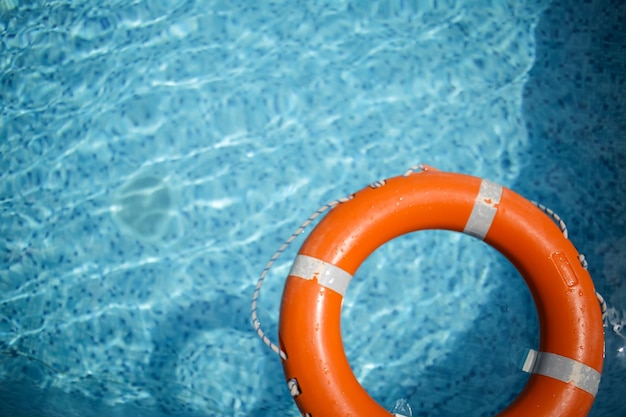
{"type": "Point", "coordinates": [564, 369]}
{"type": "Point", "coordinates": [327, 275]}
{"type": "Point", "coordinates": [485, 207]}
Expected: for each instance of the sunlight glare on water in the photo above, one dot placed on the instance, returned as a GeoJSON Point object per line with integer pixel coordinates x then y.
{"type": "Point", "coordinates": [156, 153]}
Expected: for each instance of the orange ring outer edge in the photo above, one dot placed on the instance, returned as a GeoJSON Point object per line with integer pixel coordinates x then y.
{"type": "Point", "coordinates": [309, 327]}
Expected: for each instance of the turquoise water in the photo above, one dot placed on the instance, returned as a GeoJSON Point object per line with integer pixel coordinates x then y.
{"type": "Point", "coordinates": [155, 154]}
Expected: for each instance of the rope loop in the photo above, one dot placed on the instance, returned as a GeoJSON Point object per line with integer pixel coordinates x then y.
{"type": "Point", "coordinates": [603, 306]}
{"type": "Point", "coordinates": [583, 261]}
{"type": "Point", "coordinates": [294, 388]}
{"type": "Point", "coordinates": [378, 184]}
{"type": "Point", "coordinates": [255, 296]}
{"type": "Point", "coordinates": [414, 169]}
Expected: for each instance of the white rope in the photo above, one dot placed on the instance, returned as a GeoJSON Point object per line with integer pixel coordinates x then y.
{"type": "Point", "coordinates": [294, 388]}
{"type": "Point", "coordinates": [603, 307]}
{"type": "Point", "coordinates": [378, 184]}
{"type": "Point", "coordinates": [255, 318]}
{"type": "Point", "coordinates": [414, 169]}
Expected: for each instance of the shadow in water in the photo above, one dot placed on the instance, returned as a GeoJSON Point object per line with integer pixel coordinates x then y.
{"type": "Point", "coordinates": [575, 109]}
{"type": "Point", "coordinates": [187, 367]}
{"type": "Point", "coordinates": [575, 112]}
{"type": "Point", "coordinates": [200, 341]}
{"type": "Point", "coordinates": [481, 374]}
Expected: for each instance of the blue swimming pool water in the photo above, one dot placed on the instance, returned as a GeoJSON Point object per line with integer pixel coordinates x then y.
{"type": "Point", "coordinates": [155, 154]}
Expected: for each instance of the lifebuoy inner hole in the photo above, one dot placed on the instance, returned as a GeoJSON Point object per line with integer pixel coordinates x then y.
{"type": "Point", "coordinates": [441, 319]}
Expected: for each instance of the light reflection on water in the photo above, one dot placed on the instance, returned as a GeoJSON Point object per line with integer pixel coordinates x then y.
{"type": "Point", "coordinates": [244, 119]}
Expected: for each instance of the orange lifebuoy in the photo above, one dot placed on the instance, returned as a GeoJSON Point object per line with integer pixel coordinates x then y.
{"type": "Point", "coordinates": [566, 373]}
